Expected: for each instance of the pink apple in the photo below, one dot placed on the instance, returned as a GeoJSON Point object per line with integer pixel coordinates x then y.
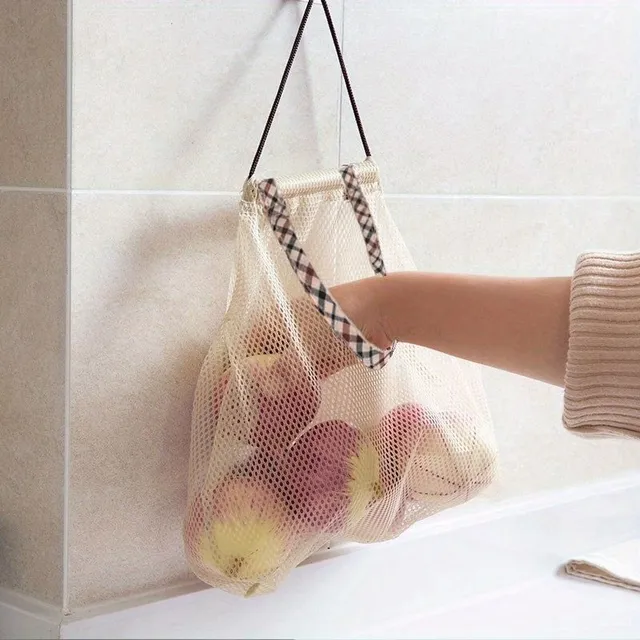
{"type": "Point", "coordinates": [330, 477]}
{"type": "Point", "coordinates": [285, 397]}
{"type": "Point", "coordinates": [245, 537]}
{"type": "Point", "coordinates": [398, 438]}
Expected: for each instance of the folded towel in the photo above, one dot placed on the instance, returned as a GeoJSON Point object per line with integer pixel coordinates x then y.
{"type": "Point", "coordinates": [618, 566]}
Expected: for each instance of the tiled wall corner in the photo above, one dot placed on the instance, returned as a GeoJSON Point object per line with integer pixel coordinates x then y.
{"type": "Point", "coordinates": [32, 374]}
{"type": "Point", "coordinates": [33, 286]}
{"type": "Point", "coordinates": [33, 93]}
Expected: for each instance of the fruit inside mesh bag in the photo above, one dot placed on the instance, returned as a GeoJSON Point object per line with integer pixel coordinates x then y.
{"type": "Point", "coordinates": [435, 456]}
{"type": "Point", "coordinates": [285, 395]}
{"type": "Point", "coordinates": [330, 475]}
{"type": "Point", "coordinates": [288, 480]}
{"type": "Point", "coordinates": [237, 534]}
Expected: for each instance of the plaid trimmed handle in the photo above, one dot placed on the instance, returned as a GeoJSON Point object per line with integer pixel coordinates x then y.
{"type": "Point", "coordinates": [276, 210]}
{"type": "Point", "coordinates": [356, 197]}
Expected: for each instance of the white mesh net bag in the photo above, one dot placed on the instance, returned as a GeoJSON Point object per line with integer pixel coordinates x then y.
{"type": "Point", "coordinates": [303, 433]}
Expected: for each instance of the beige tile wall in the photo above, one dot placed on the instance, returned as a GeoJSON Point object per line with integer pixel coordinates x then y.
{"type": "Point", "coordinates": [33, 284]}
{"type": "Point", "coordinates": [33, 93]}
{"type": "Point", "coordinates": [32, 373]}
{"type": "Point", "coordinates": [528, 102]}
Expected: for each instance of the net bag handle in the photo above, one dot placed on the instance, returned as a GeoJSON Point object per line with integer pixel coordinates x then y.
{"type": "Point", "coordinates": [285, 77]}
{"type": "Point", "coordinates": [275, 208]}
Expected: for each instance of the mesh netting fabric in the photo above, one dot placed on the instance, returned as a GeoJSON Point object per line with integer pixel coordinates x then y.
{"type": "Point", "coordinates": [295, 443]}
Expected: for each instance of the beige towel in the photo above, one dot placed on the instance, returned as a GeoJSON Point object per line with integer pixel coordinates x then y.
{"type": "Point", "coordinates": [618, 566]}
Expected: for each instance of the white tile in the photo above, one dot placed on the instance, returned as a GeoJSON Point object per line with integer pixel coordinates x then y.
{"type": "Point", "coordinates": [525, 237]}
{"type": "Point", "coordinates": [536, 452]}
{"type": "Point", "coordinates": [149, 286]}
{"type": "Point", "coordinates": [498, 97]}
{"type": "Point", "coordinates": [513, 236]}
{"type": "Point", "coordinates": [174, 94]}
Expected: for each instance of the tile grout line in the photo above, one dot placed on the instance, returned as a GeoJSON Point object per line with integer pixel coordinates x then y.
{"type": "Point", "coordinates": [506, 196]}
{"type": "Point", "coordinates": [7, 189]}
{"type": "Point", "coordinates": [67, 386]}
{"type": "Point", "coordinates": [157, 192]}
{"type": "Point", "coordinates": [390, 195]}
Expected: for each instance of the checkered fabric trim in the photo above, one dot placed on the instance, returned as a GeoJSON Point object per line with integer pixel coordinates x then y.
{"type": "Point", "coordinates": [276, 210]}
{"type": "Point", "coordinates": [353, 193]}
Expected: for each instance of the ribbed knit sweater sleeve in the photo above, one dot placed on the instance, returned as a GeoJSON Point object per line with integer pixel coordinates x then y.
{"type": "Point", "coordinates": [602, 386]}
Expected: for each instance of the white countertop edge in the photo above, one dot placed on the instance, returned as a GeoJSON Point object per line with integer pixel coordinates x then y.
{"type": "Point", "coordinates": [476, 564]}
{"type": "Point", "coordinates": [489, 570]}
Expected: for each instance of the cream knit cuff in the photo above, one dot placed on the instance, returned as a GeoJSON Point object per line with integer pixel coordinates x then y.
{"type": "Point", "coordinates": [602, 385]}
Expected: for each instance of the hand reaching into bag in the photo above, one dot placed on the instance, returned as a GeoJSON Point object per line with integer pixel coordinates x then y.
{"type": "Point", "coordinates": [363, 303]}
{"type": "Point", "coordinates": [520, 325]}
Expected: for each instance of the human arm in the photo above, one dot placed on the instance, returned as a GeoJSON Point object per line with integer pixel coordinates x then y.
{"type": "Point", "coordinates": [585, 329]}
{"type": "Point", "coordinates": [520, 325]}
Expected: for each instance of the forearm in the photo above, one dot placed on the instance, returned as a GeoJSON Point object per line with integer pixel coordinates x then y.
{"type": "Point", "coordinates": [520, 325]}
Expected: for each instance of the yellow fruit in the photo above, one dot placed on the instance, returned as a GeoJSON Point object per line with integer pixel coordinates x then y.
{"type": "Point", "coordinates": [245, 539]}
{"type": "Point", "coordinates": [365, 485]}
